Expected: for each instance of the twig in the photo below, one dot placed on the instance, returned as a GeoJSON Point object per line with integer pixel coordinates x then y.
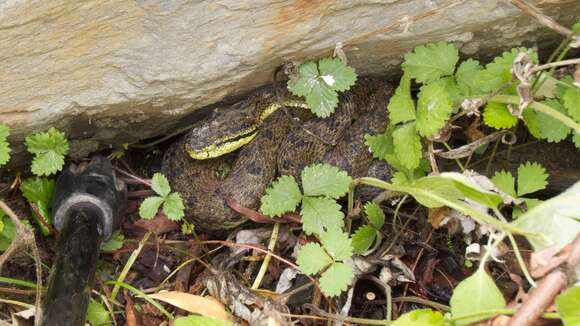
{"type": "Point", "coordinates": [543, 19]}
{"type": "Point", "coordinates": [554, 64]}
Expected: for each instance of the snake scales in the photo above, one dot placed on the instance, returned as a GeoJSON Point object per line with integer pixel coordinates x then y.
{"type": "Point", "coordinates": [280, 147]}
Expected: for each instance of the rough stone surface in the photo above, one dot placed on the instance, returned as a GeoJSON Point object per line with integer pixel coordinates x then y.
{"type": "Point", "coordinates": [116, 71]}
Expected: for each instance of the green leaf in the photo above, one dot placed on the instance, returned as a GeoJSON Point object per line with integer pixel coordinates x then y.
{"type": "Point", "coordinates": [443, 187]}
{"type": "Point", "coordinates": [4, 146]}
{"type": "Point", "coordinates": [505, 182]}
{"type": "Point", "coordinates": [39, 192]}
{"type": "Point", "coordinates": [325, 180]}
{"type": "Point", "coordinates": [381, 146]}
{"type": "Point", "coordinates": [476, 293]}
{"type": "Point", "coordinates": [408, 146]}
{"type": "Point", "coordinates": [568, 303]}
{"type": "Point", "coordinates": [530, 203]}
{"type": "Point", "coordinates": [337, 75]}
{"type": "Point", "coordinates": [337, 244]}
{"type": "Point", "coordinates": [114, 243]}
{"type": "Point", "coordinates": [427, 63]}
{"type": "Point", "coordinates": [160, 185]}
{"type": "Point", "coordinates": [533, 122]}
{"type": "Point", "coordinates": [322, 100]}
{"type": "Point", "coordinates": [466, 77]}
{"type": "Point", "coordinates": [8, 231]}
{"type": "Point", "coordinates": [572, 102]}
{"type": "Point", "coordinates": [150, 206]}
{"type": "Point", "coordinates": [195, 320]}
{"type": "Point", "coordinates": [433, 109]}
{"type": "Point", "coordinates": [498, 72]}
{"type": "Point", "coordinates": [472, 190]}
{"type": "Point", "coordinates": [319, 214]}
{"type": "Point", "coordinates": [531, 178]}
{"type": "Point", "coordinates": [555, 221]}
{"type": "Point", "coordinates": [576, 140]}
{"type": "Point", "coordinates": [173, 206]}
{"type": "Point", "coordinates": [49, 149]}
{"type": "Point", "coordinates": [97, 314]}
{"type": "Point", "coordinates": [312, 258]}
{"type": "Point", "coordinates": [420, 317]}
{"type": "Point", "coordinates": [498, 116]}
{"type": "Point", "coordinates": [281, 197]}
{"type": "Point", "coordinates": [363, 238]}
{"type": "Point", "coordinates": [336, 279]}
{"type": "Point", "coordinates": [401, 106]}
{"type": "Point", "coordinates": [375, 215]}
{"type": "Point", "coordinates": [308, 72]}
{"type": "Point", "coordinates": [552, 129]}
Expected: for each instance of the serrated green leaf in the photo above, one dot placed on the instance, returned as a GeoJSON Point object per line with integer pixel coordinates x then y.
{"type": "Point", "coordinates": [363, 238]}
{"type": "Point", "coordinates": [319, 214]}
{"type": "Point", "coordinates": [325, 180]}
{"type": "Point", "coordinates": [97, 314]}
{"type": "Point", "coordinates": [401, 106]}
{"type": "Point", "coordinates": [498, 72]}
{"type": "Point", "coordinates": [375, 215]}
{"type": "Point", "coordinates": [470, 189]}
{"type": "Point", "coordinates": [39, 192]}
{"type": "Point", "coordinates": [150, 206]}
{"type": "Point", "coordinates": [505, 182]}
{"type": "Point", "coordinates": [308, 72]}
{"type": "Point", "coordinates": [322, 100]}
{"type": "Point", "coordinates": [533, 122]}
{"type": "Point", "coordinates": [336, 279]}
{"type": "Point", "coordinates": [400, 178]}
{"type": "Point", "coordinates": [466, 77]}
{"type": "Point", "coordinates": [571, 100]}
{"type": "Point", "coordinates": [433, 109]}
{"type": "Point", "coordinates": [49, 149]}
{"type": "Point", "coordinates": [381, 146]}
{"type": "Point", "coordinates": [160, 185]}
{"type": "Point", "coordinates": [498, 116]}
{"type": "Point", "coordinates": [555, 221]}
{"type": "Point", "coordinates": [281, 197]}
{"type": "Point", "coordinates": [337, 75]}
{"type": "Point", "coordinates": [8, 232]}
{"type": "Point", "coordinates": [430, 62]}
{"type": "Point", "coordinates": [476, 293]}
{"type": "Point", "coordinates": [531, 178]}
{"type": "Point", "coordinates": [195, 320]}
{"type": "Point", "coordinates": [114, 243]}
{"type": "Point", "coordinates": [552, 129]}
{"type": "Point", "coordinates": [451, 88]}
{"type": "Point", "coordinates": [407, 145]}
{"type": "Point", "coordinates": [4, 146]}
{"type": "Point", "coordinates": [173, 206]}
{"type": "Point", "coordinates": [576, 140]}
{"type": "Point", "coordinates": [568, 303]}
{"type": "Point", "coordinates": [420, 317]}
{"type": "Point", "coordinates": [337, 244]}
{"type": "Point", "coordinates": [312, 258]}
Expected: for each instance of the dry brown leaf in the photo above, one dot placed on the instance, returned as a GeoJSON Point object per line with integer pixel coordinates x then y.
{"type": "Point", "coordinates": [436, 215]}
{"type": "Point", "coordinates": [205, 306]}
{"type": "Point", "coordinates": [160, 224]}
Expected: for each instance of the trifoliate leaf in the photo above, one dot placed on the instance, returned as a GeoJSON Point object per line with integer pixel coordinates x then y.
{"type": "Point", "coordinates": [363, 238]}
{"type": "Point", "coordinates": [8, 231]}
{"type": "Point", "coordinates": [337, 244]}
{"type": "Point", "coordinates": [552, 129]}
{"type": "Point", "coordinates": [420, 317]}
{"type": "Point", "coordinates": [401, 106]}
{"type": "Point", "coordinates": [173, 206]}
{"type": "Point", "coordinates": [150, 206]}
{"type": "Point", "coordinates": [160, 185]}
{"type": "Point", "coordinates": [97, 314]}
{"type": "Point", "coordinates": [466, 77]}
{"type": "Point", "coordinates": [498, 116]}
{"type": "Point", "coordinates": [114, 243]}
{"type": "Point", "coordinates": [319, 214]}
{"type": "Point", "coordinates": [572, 102]}
{"type": "Point", "coordinates": [49, 149]}
{"type": "Point", "coordinates": [430, 62]}
{"type": "Point", "coordinates": [498, 72]}
{"type": "Point", "coordinates": [336, 279]}
{"type": "Point", "coordinates": [476, 293]}
{"type": "Point", "coordinates": [576, 140]}
{"type": "Point", "coordinates": [308, 72]}
{"type": "Point", "coordinates": [408, 147]}
{"type": "Point", "coordinates": [312, 258]}
{"type": "Point", "coordinates": [375, 215]}
{"type": "Point", "coordinates": [337, 75]}
{"type": "Point", "coordinates": [4, 146]}
{"type": "Point", "coordinates": [433, 109]}
{"type": "Point", "coordinates": [505, 182]}
{"type": "Point", "coordinates": [196, 320]}
{"type": "Point", "coordinates": [325, 180]}
{"type": "Point", "coordinates": [531, 178]}
{"type": "Point", "coordinates": [39, 192]}
{"type": "Point", "coordinates": [568, 303]}
{"type": "Point", "coordinates": [281, 197]}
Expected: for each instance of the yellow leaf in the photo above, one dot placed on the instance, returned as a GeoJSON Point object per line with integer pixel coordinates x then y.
{"type": "Point", "coordinates": [205, 306]}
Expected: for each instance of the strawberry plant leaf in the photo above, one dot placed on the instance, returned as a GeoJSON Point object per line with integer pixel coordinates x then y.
{"type": "Point", "coordinates": [505, 182]}
{"type": "Point", "coordinates": [497, 115]}
{"type": "Point", "coordinates": [433, 109]}
{"type": "Point", "coordinates": [428, 63]}
{"type": "Point", "coordinates": [375, 215]}
{"type": "Point", "coordinates": [160, 185]}
{"type": "Point", "coordinates": [302, 86]}
{"type": "Point", "coordinates": [498, 72]}
{"type": "Point", "coordinates": [4, 146]}
{"type": "Point", "coordinates": [8, 231]}
{"type": "Point", "coordinates": [401, 106]}
{"type": "Point", "coordinates": [173, 206]}
{"type": "Point", "coordinates": [533, 123]}
{"type": "Point", "coordinates": [282, 196]}
{"type": "Point", "coordinates": [466, 77]}
{"type": "Point", "coordinates": [150, 206]}
{"type": "Point", "coordinates": [420, 317]}
{"type": "Point", "coordinates": [337, 244]}
{"type": "Point", "coordinates": [319, 214]}
{"type": "Point", "coordinates": [312, 258]}
{"type": "Point", "coordinates": [114, 243]}
{"type": "Point", "coordinates": [568, 303]}
{"type": "Point", "coordinates": [97, 314]}
{"type": "Point", "coordinates": [322, 100]}
{"type": "Point", "coordinates": [381, 146]}
{"type": "Point", "coordinates": [572, 102]}
{"type": "Point", "coordinates": [552, 129]}
{"type": "Point", "coordinates": [325, 180]}
{"type": "Point", "coordinates": [363, 238]}
{"type": "Point", "coordinates": [531, 178]}
{"type": "Point", "coordinates": [337, 75]}
{"type": "Point", "coordinates": [49, 149]}
{"type": "Point", "coordinates": [407, 145]}
{"type": "Point", "coordinates": [336, 279]}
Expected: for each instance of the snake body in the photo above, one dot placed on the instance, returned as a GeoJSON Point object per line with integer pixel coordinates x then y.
{"type": "Point", "coordinates": [273, 146]}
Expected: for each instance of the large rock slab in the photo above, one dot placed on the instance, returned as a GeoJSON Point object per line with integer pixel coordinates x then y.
{"type": "Point", "coordinates": [116, 71]}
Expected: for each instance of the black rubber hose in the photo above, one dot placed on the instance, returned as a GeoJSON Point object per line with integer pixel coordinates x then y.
{"type": "Point", "coordinates": [73, 274]}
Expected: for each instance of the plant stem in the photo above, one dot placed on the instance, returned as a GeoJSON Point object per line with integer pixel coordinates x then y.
{"type": "Point", "coordinates": [266, 262]}
{"type": "Point", "coordinates": [128, 266]}
{"type": "Point", "coordinates": [492, 312]}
